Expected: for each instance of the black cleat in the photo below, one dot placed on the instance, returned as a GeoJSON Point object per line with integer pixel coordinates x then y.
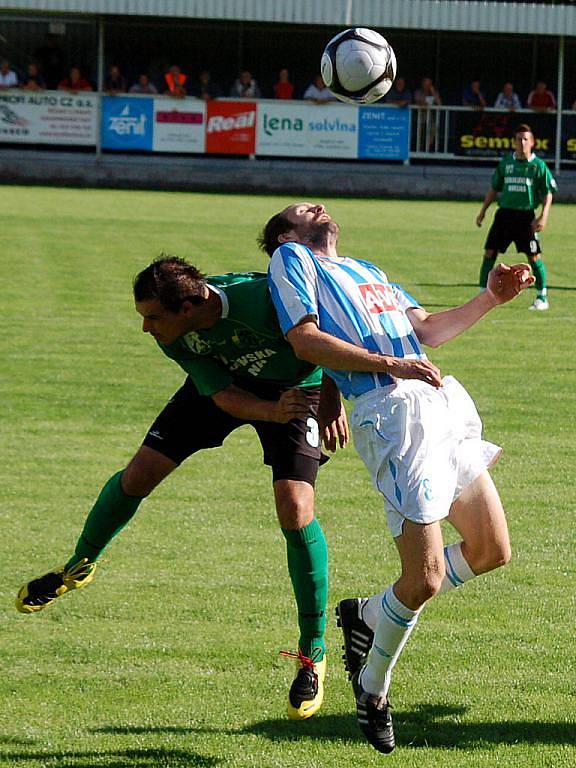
{"type": "Point", "coordinates": [358, 636]}
{"type": "Point", "coordinates": [374, 717]}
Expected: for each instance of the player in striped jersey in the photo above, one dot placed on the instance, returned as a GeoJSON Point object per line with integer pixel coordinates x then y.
{"type": "Point", "coordinates": [419, 435]}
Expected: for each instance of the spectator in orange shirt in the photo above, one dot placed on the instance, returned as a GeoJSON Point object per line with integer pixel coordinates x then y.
{"type": "Point", "coordinates": [283, 88]}
{"type": "Point", "coordinates": [541, 99]}
{"type": "Point", "coordinates": [75, 82]}
{"type": "Point", "coordinates": [175, 82]}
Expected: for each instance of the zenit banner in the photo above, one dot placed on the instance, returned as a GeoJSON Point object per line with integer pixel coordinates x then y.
{"type": "Point", "coordinates": [490, 134]}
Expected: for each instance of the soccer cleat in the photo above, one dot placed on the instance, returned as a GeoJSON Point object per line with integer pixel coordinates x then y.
{"type": "Point", "coordinates": [540, 305]}
{"type": "Point", "coordinates": [357, 634]}
{"type": "Point", "coordinates": [307, 690]}
{"type": "Point", "coordinates": [39, 593]}
{"type": "Point", "coordinates": [374, 717]}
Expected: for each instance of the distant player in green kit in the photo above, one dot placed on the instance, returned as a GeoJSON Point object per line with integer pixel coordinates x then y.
{"type": "Point", "coordinates": [521, 182]}
{"type": "Point", "coordinates": [224, 332]}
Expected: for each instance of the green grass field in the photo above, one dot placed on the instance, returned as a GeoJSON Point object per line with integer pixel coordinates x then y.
{"type": "Point", "coordinates": [171, 657]}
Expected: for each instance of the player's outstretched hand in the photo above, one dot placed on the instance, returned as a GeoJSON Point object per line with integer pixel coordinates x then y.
{"type": "Point", "coordinates": [506, 281]}
{"type": "Point", "coordinates": [291, 405]}
{"type": "Point", "coordinates": [480, 218]}
{"type": "Point", "coordinates": [423, 370]}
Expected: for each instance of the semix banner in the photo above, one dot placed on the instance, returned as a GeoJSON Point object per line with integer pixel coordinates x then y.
{"type": "Point", "coordinates": [48, 117]}
{"type": "Point", "coordinates": [490, 134]}
{"type": "Point", "coordinates": [264, 128]}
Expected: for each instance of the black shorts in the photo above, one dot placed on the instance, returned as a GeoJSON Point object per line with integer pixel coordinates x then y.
{"type": "Point", "coordinates": [511, 226]}
{"type": "Point", "coordinates": [191, 422]}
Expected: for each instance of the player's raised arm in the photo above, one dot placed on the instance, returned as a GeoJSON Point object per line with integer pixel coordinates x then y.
{"type": "Point", "coordinates": [504, 284]}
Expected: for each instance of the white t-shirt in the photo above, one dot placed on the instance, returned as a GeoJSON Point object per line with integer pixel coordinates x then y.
{"type": "Point", "coordinates": [9, 80]}
{"type": "Point", "coordinates": [313, 92]}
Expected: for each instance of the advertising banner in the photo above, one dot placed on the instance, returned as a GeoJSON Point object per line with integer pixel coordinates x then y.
{"type": "Point", "coordinates": [384, 133]}
{"type": "Point", "coordinates": [127, 123]}
{"type": "Point", "coordinates": [231, 127]}
{"type": "Point", "coordinates": [569, 137]}
{"type": "Point", "coordinates": [48, 117]}
{"type": "Point", "coordinates": [305, 130]}
{"type": "Point", "coordinates": [490, 134]}
{"type": "Point", "coordinates": [179, 125]}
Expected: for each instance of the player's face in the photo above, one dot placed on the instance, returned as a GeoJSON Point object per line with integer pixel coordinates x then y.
{"type": "Point", "coordinates": [524, 143]}
{"type": "Point", "coordinates": [165, 326]}
{"type": "Point", "coordinates": [312, 222]}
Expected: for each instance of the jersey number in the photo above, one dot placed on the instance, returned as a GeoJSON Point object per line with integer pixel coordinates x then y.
{"type": "Point", "coordinates": [313, 434]}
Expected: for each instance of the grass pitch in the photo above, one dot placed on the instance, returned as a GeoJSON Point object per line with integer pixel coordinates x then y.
{"type": "Point", "coordinates": [171, 657]}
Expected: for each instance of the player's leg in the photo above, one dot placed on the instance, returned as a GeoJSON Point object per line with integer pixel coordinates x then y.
{"type": "Point", "coordinates": [488, 262]}
{"type": "Point", "coordinates": [165, 446]}
{"type": "Point", "coordinates": [528, 243]}
{"type": "Point", "coordinates": [294, 453]}
{"type": "Point", "coordinates": [478, 515]}
{"type": "Point", "coordinates": [539, 270]}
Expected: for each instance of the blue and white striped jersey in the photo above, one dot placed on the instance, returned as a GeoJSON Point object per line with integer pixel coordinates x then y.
{"type": "Point", "coordinates": [349, 299]}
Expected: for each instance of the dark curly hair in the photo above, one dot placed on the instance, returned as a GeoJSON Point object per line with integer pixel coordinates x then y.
{"type": "Point", "coordinates": [172, 281]}
{"type": "Point", "coordinates": [276, 226]}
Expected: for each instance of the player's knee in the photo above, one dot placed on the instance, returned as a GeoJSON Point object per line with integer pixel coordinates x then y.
{"type": "Point", "coordinates": [422, 589]}
{"type": "Point", "coordinates": [294, 513]}
{"type": "Point", "coordinates": [145, 471]}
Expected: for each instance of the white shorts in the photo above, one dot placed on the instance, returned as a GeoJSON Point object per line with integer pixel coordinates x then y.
{"type": "Point", "coordinates": [422, 447]}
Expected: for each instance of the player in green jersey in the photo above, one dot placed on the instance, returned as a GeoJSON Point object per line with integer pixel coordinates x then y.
{"type": "Point", "coordinates": [521, 182]}
{"type": "Point", "coordinates": [223, 331]}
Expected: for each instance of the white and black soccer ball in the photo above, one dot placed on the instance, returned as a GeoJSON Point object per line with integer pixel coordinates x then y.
{"type": "Point", "coordinates": [358, 66]}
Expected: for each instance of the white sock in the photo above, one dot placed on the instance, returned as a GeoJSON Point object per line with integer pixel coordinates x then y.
{"type": "Point", "coordinates": [457, 569]}
{"type": "Point", "coordinates": [395, 624]}
{"type": "Point", "coordinates": [371, 610]}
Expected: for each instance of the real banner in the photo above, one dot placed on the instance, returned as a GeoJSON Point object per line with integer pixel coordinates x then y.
{"type": "Point", "coordinates": [48, 117]}
{"type": "Point", "coordinates": [490, 134]}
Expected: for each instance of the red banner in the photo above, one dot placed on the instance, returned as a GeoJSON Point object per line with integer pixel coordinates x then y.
{"type": "Point", "coordinates": [231, 127]}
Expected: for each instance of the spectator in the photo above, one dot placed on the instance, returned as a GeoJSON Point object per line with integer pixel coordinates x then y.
{"type": "Point", "coordinates": [473, 95]}
{"type": "Point", "coordinates": [541, 99]}
{"type": "Point", "coordinates": [52, 61]}
{"type": "Point", "coordinates": [205, 87]}
{"type": "Point", "coordinates": [115, 82]}
{"type": "Point", "coordinates": [143, 85]}
{"type": "Point", "coordinates": [574, 106]}
{"type": "Point", "coordinates": [427, 95]}
{"type": "Point", "coordinates": [245, 87]}
{"type": "Point", "coordinates": [75, 82]}
{"type": "Point", "coordinates": [8, 78]}
{"type": "Point", "coordinates": [33, 80]}
{"type": "Point", "coordinates": [508, 99]}
{"type": "Point", "coordinates": [399, 94]}
{"type": "Point", "coordinates": [318, 92]}
{"type": "Point", "coordinates": [284, 88]}
{"type": "Point", "coordinates": [175, 81]}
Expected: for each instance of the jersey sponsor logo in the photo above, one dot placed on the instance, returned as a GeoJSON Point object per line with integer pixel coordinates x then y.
{"type": "Point", "coordinates": [253, 361]}
{"type": "Point", "coordinates": [378, 297]}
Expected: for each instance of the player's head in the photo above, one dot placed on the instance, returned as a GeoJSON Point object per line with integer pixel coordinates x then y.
{"type": "Point", "coordinates": [523, 140]}
{"type": "Point", "coordinates": [306, 223]}
{"type": "Point", "coordinates": [171, 295]}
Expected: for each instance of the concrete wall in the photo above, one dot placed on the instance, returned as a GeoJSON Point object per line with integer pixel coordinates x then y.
{"type": "Point", "coordinates": [299, 177]}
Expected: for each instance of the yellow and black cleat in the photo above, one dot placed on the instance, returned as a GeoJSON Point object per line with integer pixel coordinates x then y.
{"type": "Point", "coordinates": [39, 593]}
{"type": "Point", "coordinates": [307, 690]}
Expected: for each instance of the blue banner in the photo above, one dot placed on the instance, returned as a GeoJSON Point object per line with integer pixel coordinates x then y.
{"type": "Point", "coordinates": [127, 123]}
{"type": "Point", "coordinates": [383, 133]}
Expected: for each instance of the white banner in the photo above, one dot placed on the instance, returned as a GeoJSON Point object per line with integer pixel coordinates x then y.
{"type": "Point", "coordinates": [48, 117]}
{"type": "Point", "coordinates": [179, 125]}
{"type": "Point", "coordinates": [307, 130]}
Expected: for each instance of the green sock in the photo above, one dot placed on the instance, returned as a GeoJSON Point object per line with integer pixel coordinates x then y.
{"type": "Point", "coordinates": [487, 265]}
{"type": "Point", "coordinates": [111, 512]}
{"type": "Point", "coordinates": [539, 271]}
{"type": "Point", "coordinates": [308, 567]}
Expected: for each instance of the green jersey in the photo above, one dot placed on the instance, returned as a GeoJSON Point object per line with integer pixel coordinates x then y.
{"type": "Point", "coordinates": [523, 184]}
{"type": "Point", "coordinates": [245, 345]}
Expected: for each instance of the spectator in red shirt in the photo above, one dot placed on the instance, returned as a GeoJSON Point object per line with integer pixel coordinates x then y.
{"type": "Point", "coordinates": [283, 88]}
{"type": "Point", "coordinates": [74, 82]}
{"type": "Point", "coordinates": [541, 99]}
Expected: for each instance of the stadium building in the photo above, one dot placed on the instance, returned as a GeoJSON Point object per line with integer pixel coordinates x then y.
{"type": "Point", "coordinates": [120, 138]}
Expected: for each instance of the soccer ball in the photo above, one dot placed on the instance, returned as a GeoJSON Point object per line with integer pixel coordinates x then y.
{"type": "Point", "coordinates": [358, 66]}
